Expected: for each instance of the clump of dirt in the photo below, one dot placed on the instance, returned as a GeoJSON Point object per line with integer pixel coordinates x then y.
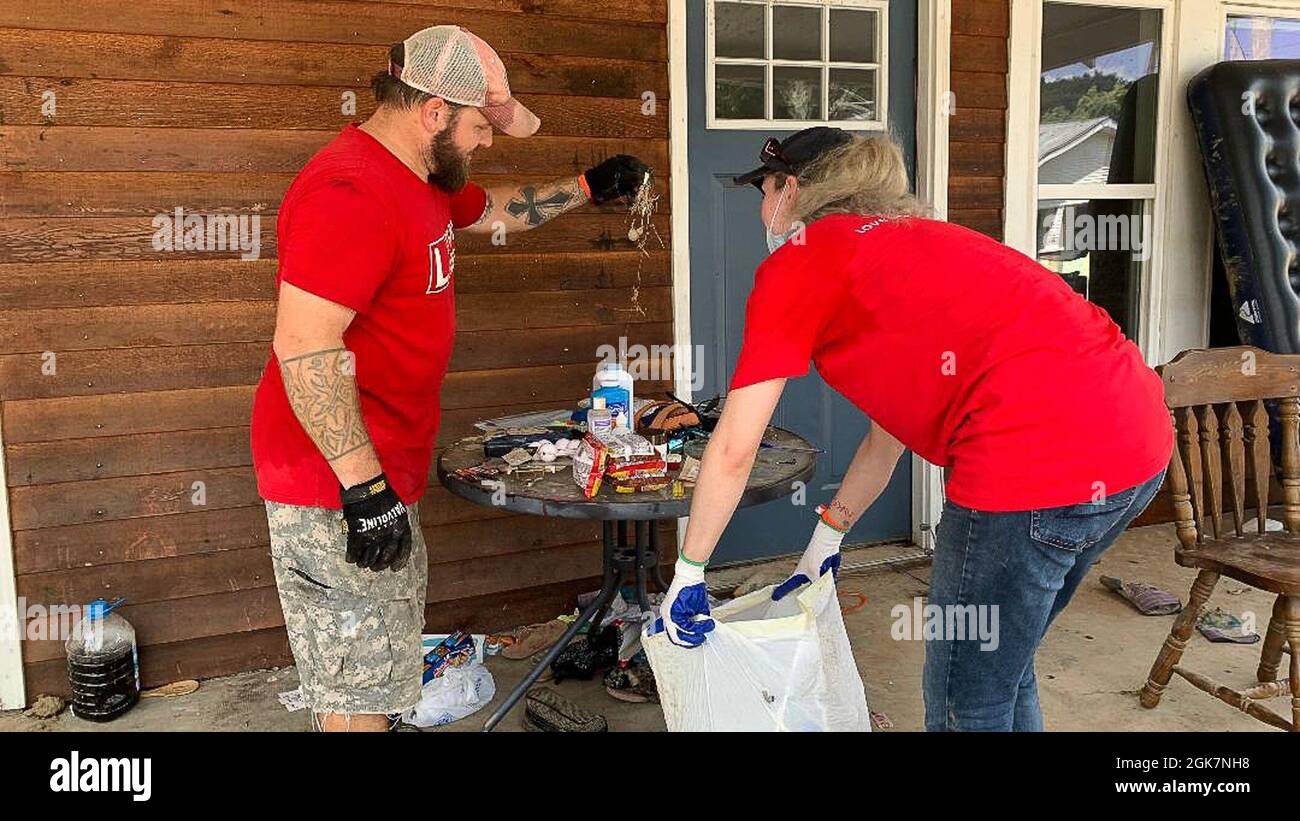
{"type": "Point", "coordinates": [45, 707]}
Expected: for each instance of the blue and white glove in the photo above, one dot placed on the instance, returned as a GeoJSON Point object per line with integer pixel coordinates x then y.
{"type": "Point", "coordinates": [821, 555]}
{"type": "Point", "coordinates": [684, 615]}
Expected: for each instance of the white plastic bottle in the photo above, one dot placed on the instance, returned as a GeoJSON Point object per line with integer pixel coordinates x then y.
{"type": "Point", "coordinates": [103, 663]}
{"type": "Point", "coordinates": [614, 384]}
{"type": "Point", "coordinates": [599, 420]}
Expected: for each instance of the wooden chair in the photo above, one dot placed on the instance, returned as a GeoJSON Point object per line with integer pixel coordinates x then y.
{"type": "Point", "coordinates": [1216, 400]}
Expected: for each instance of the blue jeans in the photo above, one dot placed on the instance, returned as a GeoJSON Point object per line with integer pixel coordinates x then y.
{"type": "Point", "coordinates": [998, 581]}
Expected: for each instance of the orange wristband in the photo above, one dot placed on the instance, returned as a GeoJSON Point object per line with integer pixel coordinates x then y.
{"type": "Point", "coordinates": [582, 183]}
{"type": "Point", "coordinates": [824, 513]}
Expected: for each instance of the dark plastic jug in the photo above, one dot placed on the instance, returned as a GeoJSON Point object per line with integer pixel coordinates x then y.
{"type": "Point", "coordinates": [103, 665]}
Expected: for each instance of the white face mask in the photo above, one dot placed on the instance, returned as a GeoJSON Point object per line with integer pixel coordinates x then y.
{"type": "Point", "coordinates": [775, 241]}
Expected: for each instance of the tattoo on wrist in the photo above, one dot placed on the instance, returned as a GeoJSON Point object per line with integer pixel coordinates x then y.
{"type": "Point", "coordinates": [838, 514]}
{"type": "Point", "coordinates": [322, 391]}
{"type": "Point", "coordinates": [534, 205]}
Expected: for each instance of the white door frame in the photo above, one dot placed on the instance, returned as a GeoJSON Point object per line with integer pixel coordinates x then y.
{"type": "Point", "coordinates": [934, 27]}
{"type": "Point", "coordinates": [933, 107]}
{"type": "Point", "coordinates": [13, 695]}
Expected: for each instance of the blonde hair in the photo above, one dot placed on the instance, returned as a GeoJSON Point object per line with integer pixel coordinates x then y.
{"type": "Point", "coordinates": [866, 175]}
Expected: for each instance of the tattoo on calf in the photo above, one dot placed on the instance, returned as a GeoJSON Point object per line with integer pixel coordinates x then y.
{"type": "Point", "coordinates": [322, 391]}
{"type": "Point", "coordinates": [536, 205]}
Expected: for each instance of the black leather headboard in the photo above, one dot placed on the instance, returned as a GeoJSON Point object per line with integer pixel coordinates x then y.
{"type": "Point", "coordinates": [1247, 118]}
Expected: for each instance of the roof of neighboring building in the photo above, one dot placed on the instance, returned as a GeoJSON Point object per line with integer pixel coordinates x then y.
{"type": "Point", "coordinates": [1053, 138]}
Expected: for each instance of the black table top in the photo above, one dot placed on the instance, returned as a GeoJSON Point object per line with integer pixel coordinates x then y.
{"type": "Point", "coordinates": [557, 494]}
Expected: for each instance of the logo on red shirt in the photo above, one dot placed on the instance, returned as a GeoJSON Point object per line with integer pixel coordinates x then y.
{"type": "Point", "coordinates": [442, 261]}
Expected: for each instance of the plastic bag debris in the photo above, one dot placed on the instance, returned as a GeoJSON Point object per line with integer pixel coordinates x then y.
{"type": "Point", "coordinates": [768, 666]}
{"type": "Point", "coordinates": [457, 693]}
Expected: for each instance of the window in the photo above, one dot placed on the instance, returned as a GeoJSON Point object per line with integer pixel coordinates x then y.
{"type": "Point", "coordinates": [1261, 38]}
{"type": "Point", "coordinates": [789, 65]}
{"type": "Point", "coordinates": [1098, 94]}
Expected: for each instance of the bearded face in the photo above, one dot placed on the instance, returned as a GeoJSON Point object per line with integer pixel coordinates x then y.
{"type": "Point", "coordinates": [450, 164]}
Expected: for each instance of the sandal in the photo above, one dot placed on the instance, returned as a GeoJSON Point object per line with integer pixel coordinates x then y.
{"type": "Point", "coordinates": [534, 637]}
{"type": "Point", "coordinates": [1220, 625]}
{"type": "Point", "coordinates": [1149, 601]}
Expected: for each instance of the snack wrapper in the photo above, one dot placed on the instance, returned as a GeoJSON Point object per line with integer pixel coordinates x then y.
{"type": "Point", "coordinates": [589, 465]}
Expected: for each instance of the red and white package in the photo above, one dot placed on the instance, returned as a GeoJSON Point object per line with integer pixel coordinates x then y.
{"type": "Point", "coordinates": [589, 465]}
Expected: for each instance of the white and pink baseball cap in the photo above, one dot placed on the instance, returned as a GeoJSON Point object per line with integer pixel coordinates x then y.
{"type": "Point", "coordinates": [456, 65]}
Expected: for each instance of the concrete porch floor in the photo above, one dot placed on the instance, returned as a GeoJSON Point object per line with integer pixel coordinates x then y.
{"type": "Point", "coordinates": [1090, 666]}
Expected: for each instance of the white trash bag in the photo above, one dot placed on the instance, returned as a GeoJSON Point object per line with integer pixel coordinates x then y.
{"type": "Point", "coordinates": [767, 666]}
{"type": "Point", "coordinates": [457, 693]}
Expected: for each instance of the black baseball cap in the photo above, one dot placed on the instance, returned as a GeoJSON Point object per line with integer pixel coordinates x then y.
{"type": "Point", "coordinates": [794, 153]}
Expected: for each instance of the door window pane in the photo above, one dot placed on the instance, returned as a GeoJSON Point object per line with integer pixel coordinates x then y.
{"type": "Point", "coordinates": [1262, 38]}
{"type": "Point", "coordinates": [796, 93]}
{"type": "Point", "coordinates": [738, 29]}
{"type": "Point", "coordinates": [738, 92]}
{"type": "Point", "coordinates": [1097, 94]}
{"type": "Point", "coordinates": [853, 94]}
{"type": "Point", "coordinates": [1098, 247]}
{"type": "Point", "coordinates": [796, 33]}
{"type": "Point", "coordinates": [853, 36]}
{"type": "Point", "coordinates": [777, 62]}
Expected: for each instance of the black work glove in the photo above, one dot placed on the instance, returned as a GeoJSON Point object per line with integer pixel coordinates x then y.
{"type": "Point", "coordinates": [619, 176]}
{"type": "Point", "coordinates": [376, 525]}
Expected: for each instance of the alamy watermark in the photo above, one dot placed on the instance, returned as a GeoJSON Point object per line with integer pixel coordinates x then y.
{"type": "Point", "coordinates": [39, 622]}
{"type": "Point", "coordinates": [181, 231]}
{"type": "Point", "coordinates": [75, 773]}
{"type": "Point", "coordinates": [657, 363]}
{"type": "Point", "coordinates": [951, 622]}
{"type": "Point", "coordinates": [1082, 231]}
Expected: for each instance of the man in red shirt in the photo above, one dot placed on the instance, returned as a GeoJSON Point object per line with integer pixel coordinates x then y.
{"type": "Point", "coordinates": [346, 414]}
{"type": "Point", "coordinates": [1053, 429]}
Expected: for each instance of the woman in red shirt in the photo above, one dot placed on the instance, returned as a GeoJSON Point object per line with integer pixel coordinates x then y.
{"type": "Point", "coordinates": [1052, 428]}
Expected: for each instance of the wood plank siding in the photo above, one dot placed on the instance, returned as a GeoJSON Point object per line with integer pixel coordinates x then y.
{"type": "Point", "coordinates": [127, 373]}
{"type": "Point", "coordinates": [977, 128]}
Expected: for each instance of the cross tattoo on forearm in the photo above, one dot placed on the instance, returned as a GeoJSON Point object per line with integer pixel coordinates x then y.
{"type": "Point", "coordinates": [533, 211]}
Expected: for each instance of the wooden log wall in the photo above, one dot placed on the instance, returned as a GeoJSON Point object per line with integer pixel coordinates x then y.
{"type": "Point", "coordinates": [978, 125]}
{"type": "Point", "coordinates": [127, 373]}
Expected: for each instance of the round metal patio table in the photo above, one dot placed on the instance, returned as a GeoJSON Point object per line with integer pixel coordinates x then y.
{"type": "Point", "coordinates": [785, 459]}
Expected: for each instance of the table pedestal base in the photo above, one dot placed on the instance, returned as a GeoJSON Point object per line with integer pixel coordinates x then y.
{"type": "Point", "coordinates": [620, 560]}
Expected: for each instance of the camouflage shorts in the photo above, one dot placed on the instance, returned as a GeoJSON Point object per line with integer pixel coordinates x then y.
{"type": "Point", "coordinates": [354, 633]}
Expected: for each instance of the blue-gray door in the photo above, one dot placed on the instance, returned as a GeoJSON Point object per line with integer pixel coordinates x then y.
{"type": "Point", "coordinates": [758, 75]}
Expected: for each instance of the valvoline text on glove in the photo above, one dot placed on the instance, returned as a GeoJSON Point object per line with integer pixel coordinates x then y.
{"type": "Point", "coordinates": [365, 524]}
{"type": "Point", "coordinates": [376, 525]}
{"type": "Point", "coordinates": [364, 492]}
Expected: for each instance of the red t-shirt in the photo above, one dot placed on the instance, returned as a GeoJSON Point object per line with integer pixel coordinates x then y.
{"type": "Point", "coordinates": [971, 354]}
{"type": "Point", "coordinates": [359, 228]}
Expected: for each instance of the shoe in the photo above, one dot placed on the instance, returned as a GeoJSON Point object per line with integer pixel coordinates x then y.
{"type": "Point", "coordinates": [546, 711]}
{"type": "Point", "coordinates": [534, 637]}
{"type": "Point", "coordinates": [546, 674]}
{"type": "Point", "coordinates": [634, 683]}
{"type": "Point", "coordinates": [587, 655]}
